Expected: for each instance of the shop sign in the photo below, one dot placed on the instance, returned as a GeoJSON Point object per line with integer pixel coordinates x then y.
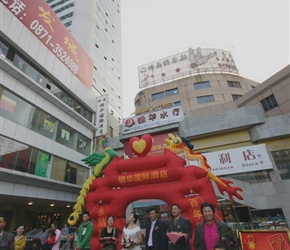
{"type": "Point", "coordinates": [267, 239]}
{"type": "Point", "coordinates": [42, 22]}
{"type": "Point", "coordinates": [41, 164]}
{"type": "Point", "coordinates": [152, 119]}
{"type": "Point", "coordinates": [238, 160]}
{"type": "Point", "coordinates": [190, 62]}
{"type": "Point", "coordinates": [162, 106]}
{"type": "Point", "coordinates": [102, 115]}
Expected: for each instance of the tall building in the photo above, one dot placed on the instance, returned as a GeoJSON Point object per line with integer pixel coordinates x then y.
{"type": "Point", "coordinates": [96, 25]}
{"type": "Point", "coordinates": [48, 103]}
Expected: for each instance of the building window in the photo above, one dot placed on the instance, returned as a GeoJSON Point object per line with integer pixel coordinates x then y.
{"type": "Point", "coordinates": [111, 132]}
{"type": "Point", "coordinates": [235, 97]}
{"type": "Point", "coordinates": [234, 84]}
{"type": "Point", "coordinates": [64, 8]}
{"type": "Point", "coordinates": [66, 16]}
{"type": "Point", "coordinates": [68, 24]}
{"type": "Point", "coordinates": [137, 103]}
{"type": "Point", "coordinates": [176, 104]}
{"type": "Point", "coordinates": [157, 96]}
{"type": "Point", "coordinates": [269, 103]}
{"type": "Point", "coordinates": [205, 99]}
{"type": "Point", "coordinates": [171, 92]}
{"type": "Point", "coordinates": [282, 161]}
{"type": "Point", "coordinates": [201, 85]}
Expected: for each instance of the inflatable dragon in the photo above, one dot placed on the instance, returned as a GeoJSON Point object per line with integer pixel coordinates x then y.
{"type": "Point", "coordinates": [182, 145]}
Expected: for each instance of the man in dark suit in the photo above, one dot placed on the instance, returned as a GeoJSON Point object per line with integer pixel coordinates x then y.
{"type": "Point", "coordinates": [6, 239]}
{"type": "Point", "coordinates": [155, 238]}
{"type": "Point", "coordinates": [182, 226]}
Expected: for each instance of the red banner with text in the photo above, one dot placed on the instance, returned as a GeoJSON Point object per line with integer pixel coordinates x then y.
{"type": "Point", "coordinates": [37, 16]}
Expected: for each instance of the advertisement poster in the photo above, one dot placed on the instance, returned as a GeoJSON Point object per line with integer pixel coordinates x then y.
{"type": "Point", "coordinates": [41, 164]}
{"type": "Point", "coordinates": [266, 240]}
{"type": "Point", "coordinates": [48, 125]}
{"type": "Point", "coordinates": [64, 134]}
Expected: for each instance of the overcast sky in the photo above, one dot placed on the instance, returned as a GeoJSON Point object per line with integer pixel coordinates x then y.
{"type": "Point", "coordinates": [255, 31]}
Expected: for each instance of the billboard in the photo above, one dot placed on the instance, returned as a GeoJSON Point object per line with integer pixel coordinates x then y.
{"type": "Point", "coordinates": [238, 160]}
{"type": "Point", "coordinates": [152, 119]}
{"type": "Point", "coordinates": [42, 22]}
{"type": "Point", "coordinates": [193, 61]}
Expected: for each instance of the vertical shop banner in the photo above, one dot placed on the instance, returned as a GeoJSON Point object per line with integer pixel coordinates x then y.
{"type": "Point", "coordinates": [265, 240]}
{"type": "Point", "coordinates": [41, 164]}
{"type": "Point", "coordinates": [238, 160]}
{"type": "Point", "coordinates": [102, 115]}
{"type": "Point", "coordinates": [42, 22]}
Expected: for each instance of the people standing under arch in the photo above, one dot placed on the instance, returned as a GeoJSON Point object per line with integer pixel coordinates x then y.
{"type": "Point", "coordinates": [85, 231]}
{"type": "Point", "coordinates": [182, 226]}
{"type": "Point", "coordinates": [210, 231]}
{"type": "Point", "coordinates": [133, 231]}
{"type": "Point", "coordinates": [155, 237]}
{"type": "Point", "coordinates": [109, 235]}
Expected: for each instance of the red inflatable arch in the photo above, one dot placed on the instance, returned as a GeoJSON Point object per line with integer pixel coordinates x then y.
{"type": "Point", "coordinates": [165, 177]}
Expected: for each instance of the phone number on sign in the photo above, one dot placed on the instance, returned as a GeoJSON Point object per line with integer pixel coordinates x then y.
{"type": "Point", "coordinates": [42, 33]}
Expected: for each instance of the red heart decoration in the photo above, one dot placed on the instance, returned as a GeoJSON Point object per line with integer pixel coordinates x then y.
{"type": "Point", "coordinates": [142, 146]}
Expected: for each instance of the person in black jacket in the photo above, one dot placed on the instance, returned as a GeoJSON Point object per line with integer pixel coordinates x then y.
{"type": "Point", "coordinates": [6, 239]}
{"type": "Point", "coordinates": [182, 226]}
{"type": "Point", "coordinates": [210, 231]}
{"type": "Point", "coordinates": [155, 237]}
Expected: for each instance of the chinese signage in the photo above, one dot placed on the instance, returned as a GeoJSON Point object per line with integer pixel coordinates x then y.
{"type": "Point", "coordinates": [143, 176]}
{"type": "Point", "coordinates": [152, 119]}
{"type": "Point", "coordinates": [41, 164]}
{"type": "Point", "coordinates": [158, 145]}
{"type": "Point", "coordinates": [267, 240]}
{"type": "Point", "coordinates": [102, 115]}
{"type": "Point", "coordinates": [193, 61]}
{"type": "Point", "coordinates": [43, 23]}
{"type": "Point", "coordinates": [238, 160]}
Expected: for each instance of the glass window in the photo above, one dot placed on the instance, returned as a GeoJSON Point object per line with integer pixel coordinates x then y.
{"type": "Point", "coordinates": [20, 157]}
{"type": "Point", "coordinates": [205, 99]}
{"type": "Point", "coordinates": [157, 96]}
{"type": "Point", "coordinates": [66, 171]}
{"type": "Point", "coordinates": [282, 161]}
{"type": "Point", "coordinates": [64, 8]}
{"type": "Point", "coordinates": [171, 92]}
{"type": "Point", "coordinates": [83, 145]}
{"type": "Point", "coordinates": [235, 97]}
{"type": "Point", "coordinates": [14, 108]}
{"type": "Point", "coordinates": [201, 85]}
{"type": "Point", "coordinates": [31, 117]}
{"type": "Point", "coordinates": [66, 135]}
{"type": "Point", "coordinates": [269, 103]}
{"type": "Point", "coordinates": [43, 123]}
{"type": "Point", "coordinates": [3, 50]}
{"type": "Point", "coordinates": [234, 84]}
